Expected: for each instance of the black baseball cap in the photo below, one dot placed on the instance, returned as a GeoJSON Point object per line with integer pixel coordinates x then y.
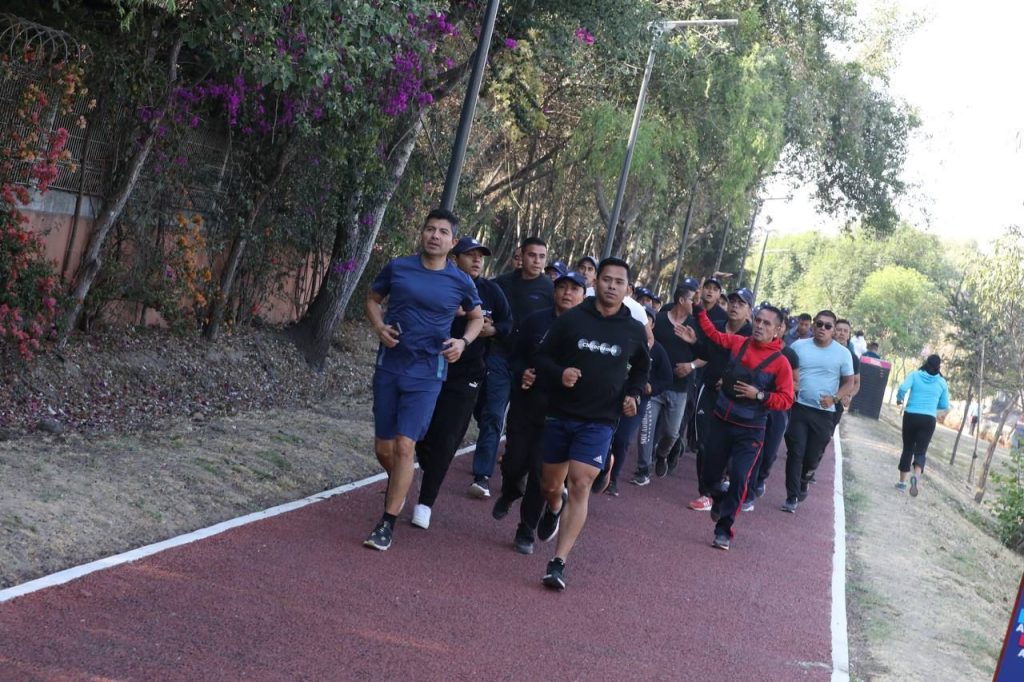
{"type": "Point", "coordinates": [690, 283]}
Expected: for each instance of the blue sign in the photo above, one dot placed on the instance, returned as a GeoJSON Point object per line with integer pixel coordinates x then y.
{"type": "Point", "coordinates": [1011, 663]}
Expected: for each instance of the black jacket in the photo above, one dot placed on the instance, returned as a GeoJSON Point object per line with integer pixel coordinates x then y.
{"type": "Point", "coordinates": [525, 297]}
{"type": "Point", "coordinates": [611, 354]}
{"type": "Point", "coordinates": [471, 365]}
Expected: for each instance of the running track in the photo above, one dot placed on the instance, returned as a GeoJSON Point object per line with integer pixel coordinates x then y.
{"type": "Point", "coordinates": [297, 597]}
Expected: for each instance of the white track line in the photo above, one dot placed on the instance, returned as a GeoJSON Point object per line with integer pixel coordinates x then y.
{"type": "Point", "coordinates": [134, 555]}
{"type": "Point", "coordinates": [840, 637]}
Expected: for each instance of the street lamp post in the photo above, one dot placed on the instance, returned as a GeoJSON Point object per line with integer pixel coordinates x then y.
{"type": "Point", "coordinates": [750, 234]}
{"type": "Point", "coordinates": [721, 248]}
{"type": "Point", "coordinates": [746, 248]}
{"type": "Point", "coordinates": [476, 76]}
{"type": "Point", "coordinates": [659, 28]}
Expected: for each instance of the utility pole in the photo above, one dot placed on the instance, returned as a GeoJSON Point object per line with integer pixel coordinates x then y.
{"type": "Point", "coordinates": [658, 28]}
{"type": "Point", "coordinates": [476, 77]}
{"type": "Point", "coordinates": [721, 248]}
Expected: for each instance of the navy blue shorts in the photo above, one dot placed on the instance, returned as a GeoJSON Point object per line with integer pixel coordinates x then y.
{"type": "Point", "coordinates": [582, 441]}
{"type": "Point", "coordinates": [402, 405]}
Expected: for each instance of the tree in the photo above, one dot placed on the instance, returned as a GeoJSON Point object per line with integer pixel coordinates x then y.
{"type": "Point", "coordinates": [899, 306]}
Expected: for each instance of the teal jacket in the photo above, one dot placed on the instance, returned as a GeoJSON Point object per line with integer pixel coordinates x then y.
{"type": "Point", "coordinates": [928, 393]}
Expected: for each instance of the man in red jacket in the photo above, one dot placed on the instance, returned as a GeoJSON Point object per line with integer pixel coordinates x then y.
{"type": "Point", "coordinates": [758, 378]}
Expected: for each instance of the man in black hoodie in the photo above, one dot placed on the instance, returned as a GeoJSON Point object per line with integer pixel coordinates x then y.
{"type": "Point", "coordinates": [594, 357]}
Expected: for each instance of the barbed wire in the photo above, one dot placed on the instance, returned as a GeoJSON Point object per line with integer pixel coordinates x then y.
{"type": "Point", "coordinates": [18, 36]}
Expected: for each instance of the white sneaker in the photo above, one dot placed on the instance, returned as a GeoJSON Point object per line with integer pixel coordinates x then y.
{"type": "Point", "coordinates": [421, 516]}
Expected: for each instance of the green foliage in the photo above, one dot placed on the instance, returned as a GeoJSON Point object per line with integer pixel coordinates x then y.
{"type": "Point", "coordinates": [1009, 505]}
{"type": "Point", "coordinates": [899, 306]}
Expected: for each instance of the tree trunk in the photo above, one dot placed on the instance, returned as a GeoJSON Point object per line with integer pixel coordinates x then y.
{"type": "Point", "coordinates": [963, 421]}
{"type": "Point", "coordinates": [312, 334]}
{"type": "Point", "coordinates": [983, 481]}
{"type": "Point", "coordinates": [91, 262]}
{"type": "Point", "coordinates": [217, 307]}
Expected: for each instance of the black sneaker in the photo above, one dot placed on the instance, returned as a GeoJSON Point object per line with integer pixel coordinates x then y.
{"type": "Point", "coordinates": [501, 507]}
{"type": "Point", "coordinates": [479, 488]}
{"type": "Point", "coordinates": [547, 527]}
{"type": "Point", "coordinates": [380, 538]}
{"type": "Point", "coordinates": [640, 479]}
{"type": "Point", "coordinates": [555, 575]}
{"type": "Point", "coordinates": [759, 491]}
{"type": "Point", "coordinates": [613, 489]}
{"type": "Point", "coordinates": [721, 541]}
{"type": "Point", "coordinates": [673, 456]}
{"type": "Point", "coordinates": [660, 467]}
{"type": "Point", "coordinates": [804, 492]}
{"type": "Point", "coordinates": [790, 505]}
{"type": "Point", "coordinates": [523, 542]}
{"type": "Point", "coordinates": [600, 481]}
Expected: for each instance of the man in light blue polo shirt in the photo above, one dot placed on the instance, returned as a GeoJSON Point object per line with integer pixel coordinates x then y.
{"type": "Point", "coordinates": [423, 293]}
{"type": "Point", "coordinates": [826, 378]}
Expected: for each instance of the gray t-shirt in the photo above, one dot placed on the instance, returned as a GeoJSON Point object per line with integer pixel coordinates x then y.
{"type": "Point", "coordinates": [820, 371]}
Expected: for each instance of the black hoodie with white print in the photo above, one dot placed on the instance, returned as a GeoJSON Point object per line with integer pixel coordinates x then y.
{"type": "Point", "coordinates": [611, 354]}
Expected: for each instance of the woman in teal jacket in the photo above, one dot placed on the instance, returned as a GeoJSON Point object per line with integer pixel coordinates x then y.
{"type": "Point", "coordinates": [928, 395]}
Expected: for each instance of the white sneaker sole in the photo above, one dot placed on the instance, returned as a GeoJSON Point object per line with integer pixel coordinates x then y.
{"type": "Point", "coordinates": [478, 492]}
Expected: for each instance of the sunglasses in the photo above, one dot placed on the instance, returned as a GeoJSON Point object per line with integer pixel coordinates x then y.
{"type": "Point", "coordinates": [822, 325]}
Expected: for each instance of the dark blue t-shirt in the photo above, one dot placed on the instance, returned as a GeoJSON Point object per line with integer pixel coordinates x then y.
{"type": "Point", "coordinates": [422, 303]}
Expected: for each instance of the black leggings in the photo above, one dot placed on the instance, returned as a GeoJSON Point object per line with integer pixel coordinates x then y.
{"type": "Point", "coordinates": [917, 433]}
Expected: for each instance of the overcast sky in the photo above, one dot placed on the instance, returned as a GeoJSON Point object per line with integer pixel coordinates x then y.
{"type": "Point", "coordinates": [962, 71]}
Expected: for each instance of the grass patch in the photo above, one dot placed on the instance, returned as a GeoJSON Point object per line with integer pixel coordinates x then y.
{"type": "Point", "coordinates": [290, 439]}
{"type": "Point", "coordinates": [275, 458]}
{"type": "Point", "coordinates": [208, 466]}
{"type": "Point", "coordinates": [874, 610]}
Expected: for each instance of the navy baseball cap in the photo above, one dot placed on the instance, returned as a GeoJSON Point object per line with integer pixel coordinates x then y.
{"type": "Point", "coordinates": [690, 283]}
{"type": "Point", "coordinates": [558, 266]}
{"type": "Point", "coordinates": [593, 261]}
{"type": "Point", "coordinates": [713, 280]}
{"type": "Point", "coordinates": [651, 312]}
{"type": "Point", "coordinates": [643, 291]}
{"type": "Point", "coordinates": [574, 277]}
{"type": "Point", "coordinates": [745, 295]}
{"type": "Point", "coordinates": [469, 244]}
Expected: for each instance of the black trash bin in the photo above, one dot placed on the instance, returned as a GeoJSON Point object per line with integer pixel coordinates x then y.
{"type": "Point", "coordinates": [874, 377]}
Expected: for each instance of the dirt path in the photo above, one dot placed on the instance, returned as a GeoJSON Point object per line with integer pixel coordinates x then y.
{"type": "Point", "coordinates": [929, 592]}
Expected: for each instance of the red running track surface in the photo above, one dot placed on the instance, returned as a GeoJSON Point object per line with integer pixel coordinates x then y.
{"type": "Point", "coordinates": [297, 597]}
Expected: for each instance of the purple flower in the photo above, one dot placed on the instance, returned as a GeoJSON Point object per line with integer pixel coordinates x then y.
{"type": "Point", "coordinates": [180, 160]}
{"type": "Point", "coordinates": [340, 267]}
{"type": "Point", "coordinates": [584, 36]}
{"type": "Point", "coordinates": [511, 43]}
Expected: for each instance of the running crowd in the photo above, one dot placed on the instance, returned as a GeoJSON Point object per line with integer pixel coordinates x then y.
{"type": "Point", "coordinates": [578, 367]}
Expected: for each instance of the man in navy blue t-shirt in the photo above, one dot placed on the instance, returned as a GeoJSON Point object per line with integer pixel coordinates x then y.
{"type": "Point", "coordinates": [423, 294]}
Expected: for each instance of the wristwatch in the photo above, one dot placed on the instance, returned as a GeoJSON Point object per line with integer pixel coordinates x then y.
{"type": "Point", "coordinates": [761, 396]}
{"type": "Point", "coordinates": [693, 367]}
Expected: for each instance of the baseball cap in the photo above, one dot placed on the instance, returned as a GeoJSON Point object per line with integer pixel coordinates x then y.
{"type": "Point", "coordinates": [745, 295]}
{"type": "Point", "coordinates": [713, 280]}
{"type": "Point", "coordinates": [643, 291]}
{"type": "Point", "coordinates": [469, 244]}
{"type": "Point", "coordinates": [651, 312]}
{"type": "Point", "coordinates": [558, 266]}
{"type": "Point", "coordinates": [690, 283]}
{"type": "Point", "coordinates": [574, 277]}
{"type": "Point", "coordinates": [593, 261]}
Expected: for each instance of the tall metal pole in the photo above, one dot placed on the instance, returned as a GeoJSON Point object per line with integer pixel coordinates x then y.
{"type": "Point", "coordinates": [764, 248]}
{"type": "Point", "coordinates": [476, 77]}
{"type": "Point", "coordinates": [746, 249]}
{"type": "Point", "coordinates": [620, 192]}
{"type": "Point", "coordinates": [721, 248]}
{"type": "Point", "coordinates": [658, 28]}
